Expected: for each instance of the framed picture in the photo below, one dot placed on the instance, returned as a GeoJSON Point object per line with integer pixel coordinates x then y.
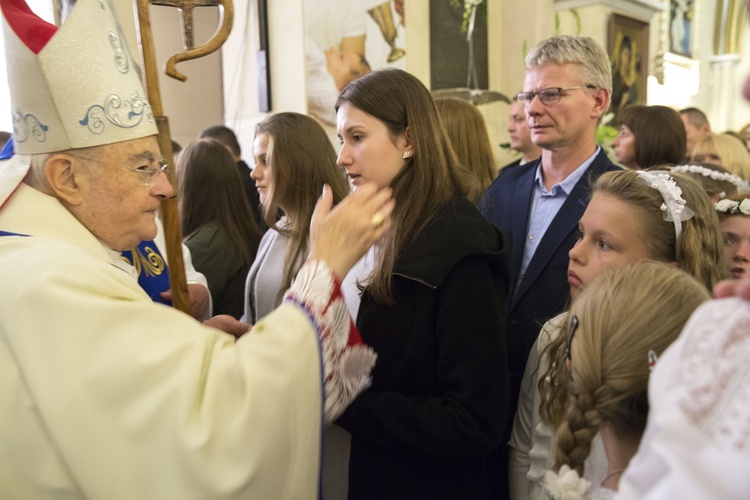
{"type": "Point", "coordinates": [347, 39]}
{"type": "Point", "coordinates": [628, 49]}
{"type": "Point", "coordinates": [681, 14]}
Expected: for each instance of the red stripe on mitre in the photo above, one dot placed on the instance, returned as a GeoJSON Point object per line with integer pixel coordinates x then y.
{"type": "Point", "coordinates": [34, 31]}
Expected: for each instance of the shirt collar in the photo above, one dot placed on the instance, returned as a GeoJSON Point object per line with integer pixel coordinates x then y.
{"type": "Point", "coordinates": [571, 180]}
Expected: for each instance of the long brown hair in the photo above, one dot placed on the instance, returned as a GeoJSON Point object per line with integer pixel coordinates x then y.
{"type": "Point", "coordinates": [210, 190]}
{"type": "Point", "coordinates": [431, 176]}
{"type": "Point", "coordinates": [467, 130]}
{"type": "Point", "coordinates": [301, 159]}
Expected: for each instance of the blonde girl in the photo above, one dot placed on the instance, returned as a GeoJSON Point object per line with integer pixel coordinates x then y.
{"type": "Point", "coordinates": [617, 328]}
{"type": "Point", "coordinates": [734, 222]}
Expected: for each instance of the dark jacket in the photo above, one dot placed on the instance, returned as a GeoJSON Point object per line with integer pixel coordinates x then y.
{"type": "Point", "coordinates": [544, 290]}
{"type": "Point", "coordinates": [439, 398]}
{"type": "Point", "coordinates": [214, 254]}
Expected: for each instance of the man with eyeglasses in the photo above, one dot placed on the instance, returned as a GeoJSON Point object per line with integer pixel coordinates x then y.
{"type": "Point", "coordinates": [537, 205]}
{"type": "Point", "coordinates": [104, 393]}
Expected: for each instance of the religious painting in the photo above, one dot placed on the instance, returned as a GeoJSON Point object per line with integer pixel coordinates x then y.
{"type": "Point", "coordinates": [346, 39]}
{"type": "Point", "coordinates": [681, 13]}
{"type": "Point", "coordinates": [628, 50]}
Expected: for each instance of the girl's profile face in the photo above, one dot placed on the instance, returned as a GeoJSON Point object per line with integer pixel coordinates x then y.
{"type": "Point", "coordinates": [609, 234]}
{"type": "Point", "coordinates": [368, 152]}
{"type": "Point", "coordinates": [262, 170]}
{"type": "Point", "coordinates": [736, 232]}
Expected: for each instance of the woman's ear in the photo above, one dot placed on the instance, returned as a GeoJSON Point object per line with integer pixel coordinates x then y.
{"type": "Point", "coordinates": [408, 144]}
{"type": "Point", "coordinates": [63, 175]}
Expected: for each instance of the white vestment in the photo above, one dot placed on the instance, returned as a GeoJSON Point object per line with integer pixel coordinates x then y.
{"type": "Point", "coordinates": [105, 394]}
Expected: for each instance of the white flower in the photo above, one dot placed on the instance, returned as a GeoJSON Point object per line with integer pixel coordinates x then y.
{"type": "Point", "coordinates": [724, 205]}
{"type": "Point", "coordinates": [745, 206]}
{"type": "Point", "coordinates": [566, 484]}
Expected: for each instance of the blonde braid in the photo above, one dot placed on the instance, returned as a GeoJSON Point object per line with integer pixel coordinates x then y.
{"type": "Point", "coordinates": [575, 434]}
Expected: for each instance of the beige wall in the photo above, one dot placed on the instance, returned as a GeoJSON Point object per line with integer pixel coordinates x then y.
{"type": "Point", "coordinates": [216, 93]}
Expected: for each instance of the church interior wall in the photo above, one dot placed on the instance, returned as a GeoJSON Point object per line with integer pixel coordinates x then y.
{"type": "Point", "coordinates": [223, 87]}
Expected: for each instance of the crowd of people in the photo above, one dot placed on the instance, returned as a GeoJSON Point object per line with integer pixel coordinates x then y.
{"type": "Point", "coordinates": [396, 319]}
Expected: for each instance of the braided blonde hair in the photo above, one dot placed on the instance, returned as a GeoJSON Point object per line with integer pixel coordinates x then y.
{"type": "Point", "coordinates": [623, 314]}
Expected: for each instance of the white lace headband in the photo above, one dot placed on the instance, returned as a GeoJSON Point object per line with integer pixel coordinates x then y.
{"type": "Point", "coordinates": [738, 181]}
{"type": "Point", "coordinates": [675, 208]}
{"type": "Point", "coordinates": [733, 207]}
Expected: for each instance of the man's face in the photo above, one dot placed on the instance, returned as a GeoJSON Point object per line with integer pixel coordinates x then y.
{"type": "Point", "coordinates": [520, 140]}
{"type": "Point", "coordinates": [571, 122]}
{"type": "Point", "coordinates": [116, 205]}
{"type": "Point", "coordinates": [693, 134]}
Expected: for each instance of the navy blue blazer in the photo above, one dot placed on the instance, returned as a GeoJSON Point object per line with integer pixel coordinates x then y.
{"type": "Point", "coordinates": [544, 290]}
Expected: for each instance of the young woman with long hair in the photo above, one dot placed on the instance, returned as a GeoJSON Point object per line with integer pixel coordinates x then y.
{"type": "Point", "coordinates": [432, 304]}
{"type": "Point", "coordinates": [217, 222]}
{"type": "Point", "coordinates": [293, 160]}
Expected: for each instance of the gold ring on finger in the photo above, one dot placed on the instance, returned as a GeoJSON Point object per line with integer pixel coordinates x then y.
{"type": "Point", "coordinates": [377, 220]}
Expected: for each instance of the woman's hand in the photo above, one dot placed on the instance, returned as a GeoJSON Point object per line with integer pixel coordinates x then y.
{"type": "Point", "coordinates": [341, 236]}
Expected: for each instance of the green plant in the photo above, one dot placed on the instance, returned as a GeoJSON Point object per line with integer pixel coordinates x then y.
{"type": "Point", "coordinates": [605, 134]}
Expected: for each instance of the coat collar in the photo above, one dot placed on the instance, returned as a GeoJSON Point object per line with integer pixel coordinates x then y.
{"type": "Point", "coordinates": [456, 232]}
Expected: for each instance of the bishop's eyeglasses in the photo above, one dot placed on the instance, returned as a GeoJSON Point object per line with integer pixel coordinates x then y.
{"type": "Point", "coordinates": [147, 172]}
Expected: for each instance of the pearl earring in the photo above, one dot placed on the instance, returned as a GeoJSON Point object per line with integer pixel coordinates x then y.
{"type": "Point", "coordinates": [406, 155]}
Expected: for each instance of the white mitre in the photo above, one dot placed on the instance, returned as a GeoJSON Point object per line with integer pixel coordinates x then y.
{"type": "Point", "coordinates": [80, 88]}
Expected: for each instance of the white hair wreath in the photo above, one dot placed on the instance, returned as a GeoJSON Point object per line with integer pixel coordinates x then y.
{"type": "Point", "coordinates": [733, 207]}
{"type": "Point", "coordinates": [738, 181]}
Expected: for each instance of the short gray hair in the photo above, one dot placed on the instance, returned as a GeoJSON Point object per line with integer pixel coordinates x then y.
{"type": "Point", "coordinates": [37, 161]}
{"type": "Point", "coordinates": [581, 50]}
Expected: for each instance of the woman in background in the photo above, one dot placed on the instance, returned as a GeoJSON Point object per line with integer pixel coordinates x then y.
{"type": "Point", "coordinates": [724, 150]}
{"type": "Point", "coordinates": [217, 223]}
{"type": "Point", "coordinates": [293, 160]}
{"type": "Point", "coordinates": [649, 135]}
{"type": "Point", "coordinates": [468, 134]}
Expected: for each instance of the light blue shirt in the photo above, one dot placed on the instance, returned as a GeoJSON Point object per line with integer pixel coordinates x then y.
{"type": "Point", "coordinates": [545, 205]}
